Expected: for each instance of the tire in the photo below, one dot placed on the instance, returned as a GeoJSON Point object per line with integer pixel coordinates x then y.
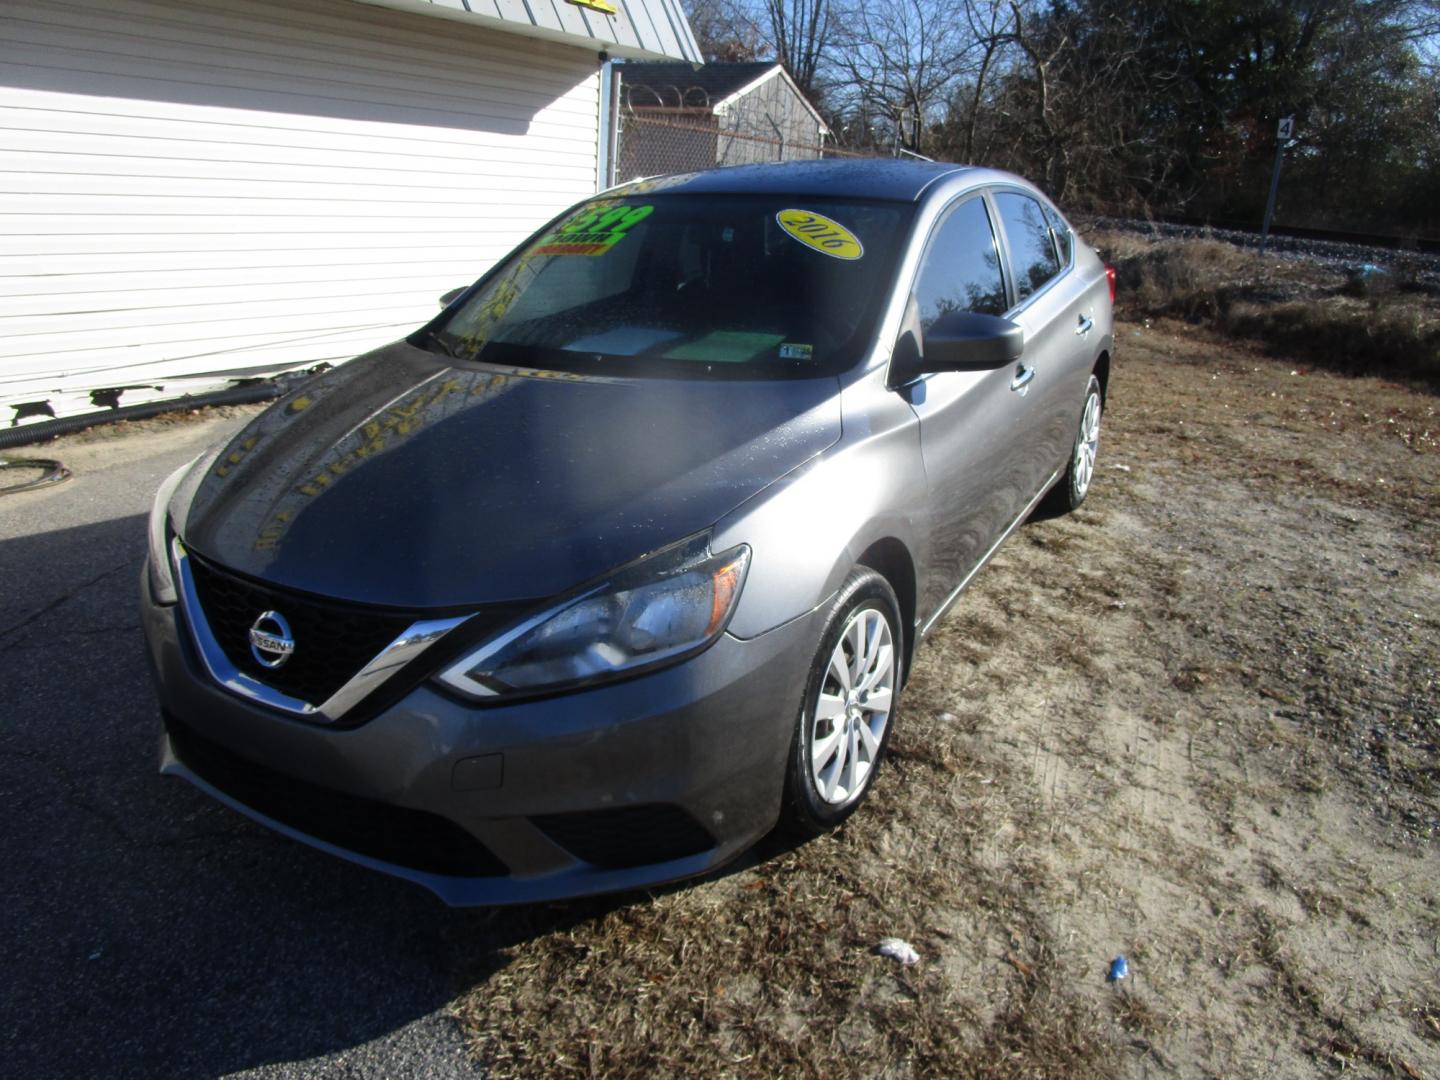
{"type": "Point", "coordinates": [1070, 490]}
{"type": "Point", "coordinates": [820, 796]}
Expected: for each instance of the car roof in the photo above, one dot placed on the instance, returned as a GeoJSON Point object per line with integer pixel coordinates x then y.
{"type": "Point", "coordinates": [884, 178]}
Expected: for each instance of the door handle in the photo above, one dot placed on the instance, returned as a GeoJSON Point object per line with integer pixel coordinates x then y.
{"type": "Point", "coordinates": [1085, 325]}
{"type": "Point", "coordinates": [1021, 381]}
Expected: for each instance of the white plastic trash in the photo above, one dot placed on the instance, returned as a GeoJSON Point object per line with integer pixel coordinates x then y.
{"type": "Point", "coordinates": [899, 949]}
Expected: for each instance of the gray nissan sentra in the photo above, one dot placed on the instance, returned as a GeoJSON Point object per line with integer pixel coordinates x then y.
{"type": "Point", "coordinates": [624, 557]}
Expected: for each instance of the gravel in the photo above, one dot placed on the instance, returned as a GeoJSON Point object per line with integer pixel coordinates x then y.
{"type": "Point", "coordinates": [1330, 253]}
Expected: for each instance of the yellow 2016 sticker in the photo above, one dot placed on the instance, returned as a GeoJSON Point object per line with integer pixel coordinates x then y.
{"type": "Point", "coordinates": [819, 232]}
{"type": "Point", "coordinates": [594, 231]}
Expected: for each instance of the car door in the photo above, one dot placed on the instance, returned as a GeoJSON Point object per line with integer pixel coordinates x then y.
{"type": "Point", "coordinates": [1054, 309]}
{"type": "Point", "coordinates": [973, 424]}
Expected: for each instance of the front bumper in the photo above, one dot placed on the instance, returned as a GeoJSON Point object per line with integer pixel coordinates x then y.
{"type": "Point", "coordinates": [622, 786]}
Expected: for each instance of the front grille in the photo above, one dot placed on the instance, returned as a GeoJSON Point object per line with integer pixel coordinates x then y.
{"type": "Point", "coordinates": [627, 836]}
{"type": "Point", "coordinates": [333, 640]}
{"type": "Point", "coordinates": [393, 834]}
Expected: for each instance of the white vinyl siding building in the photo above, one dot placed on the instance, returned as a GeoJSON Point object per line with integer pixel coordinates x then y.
{"type": "Point", "coordinates": [193, 191]}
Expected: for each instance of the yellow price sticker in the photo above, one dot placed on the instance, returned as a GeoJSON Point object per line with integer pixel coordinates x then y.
{"type": "Point", "coordinates": [821, 233]}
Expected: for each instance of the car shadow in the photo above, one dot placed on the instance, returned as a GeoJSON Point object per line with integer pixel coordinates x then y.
{"type": "Point", "coordinates": [1042, 513]}
{"type": "Point", "coordinates": [151, 931]}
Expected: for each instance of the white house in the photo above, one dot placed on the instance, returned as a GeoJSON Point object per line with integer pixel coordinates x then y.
{"type": "Point", "coordinates": [195, 191]}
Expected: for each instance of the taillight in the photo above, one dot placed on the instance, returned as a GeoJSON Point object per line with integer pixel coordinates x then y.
{"type": "Point", "coordinates": [1110, 280]}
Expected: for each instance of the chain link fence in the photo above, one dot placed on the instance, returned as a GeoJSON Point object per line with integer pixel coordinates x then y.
{"type": "Point", "coordinates": [657, 142]}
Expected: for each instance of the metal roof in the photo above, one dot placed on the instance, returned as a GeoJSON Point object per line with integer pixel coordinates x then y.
{"type": "Point", "coordinates": [639, 29]}
{"type": "Point", "coordinates": [882, 178]}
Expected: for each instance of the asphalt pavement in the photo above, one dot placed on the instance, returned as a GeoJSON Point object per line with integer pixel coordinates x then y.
{"type": "Point", "coordinates": [149, 931]}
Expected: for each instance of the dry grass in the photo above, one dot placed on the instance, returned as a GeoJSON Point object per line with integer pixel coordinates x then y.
{"type": "Point", "coordinates": [1194, 723]}
{"type": "Point", "coordinates": [1389, 334]}
{"type": "Point", "coordinates": [1330, 317]}
{"type": "Point", "coordinates": [773, 970]}
{"type": "Point", "coordinates": [1181, 278]}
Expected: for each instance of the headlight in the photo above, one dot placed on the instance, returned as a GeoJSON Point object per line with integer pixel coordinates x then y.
{"type": "Point", "coordinates": [162, 574]}
{"type": "Point", "coordinates": [658, 610]}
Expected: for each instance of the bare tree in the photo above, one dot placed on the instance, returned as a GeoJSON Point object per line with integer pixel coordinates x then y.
{"type": "Point", "coordinates": [896, 62]}
{"type": "Point", "coordinates": [726, 30]}
{"type": "Point", "coordinates": [1043, 51]}
{"type": "Point", "coordinates": [993, 25]}
{"type": "Point", "coordinates": [800, 34]}
{"type": "Point", "coordinates": [1165, 105]}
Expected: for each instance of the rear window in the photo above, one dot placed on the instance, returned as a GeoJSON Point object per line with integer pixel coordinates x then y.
{"type": "Point", "coordinates": [719, 285]}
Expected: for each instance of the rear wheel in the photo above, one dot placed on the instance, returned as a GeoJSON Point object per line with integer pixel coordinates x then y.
{"type": "Point", "coordinates": [1070, 491]}
{"type": "Point", "coordinates": [850, 699]}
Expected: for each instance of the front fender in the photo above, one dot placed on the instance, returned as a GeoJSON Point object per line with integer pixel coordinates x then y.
{"type": "Point", "coordinates": [808, 529]}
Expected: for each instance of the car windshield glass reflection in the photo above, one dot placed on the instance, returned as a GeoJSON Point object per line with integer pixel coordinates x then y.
{"type": "Point", "coordinates": [713, 286]}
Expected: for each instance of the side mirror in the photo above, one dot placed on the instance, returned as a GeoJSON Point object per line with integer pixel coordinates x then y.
{"type": "Point", "coordinates": [446, 299]}
{"type": "Point", "coordinates": [969, 341]}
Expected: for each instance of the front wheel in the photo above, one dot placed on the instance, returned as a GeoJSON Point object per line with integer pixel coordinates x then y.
{"type": "Point", "coordinates": [850, 699]}
{"type": "Point", "coordinates": [1070, 490]}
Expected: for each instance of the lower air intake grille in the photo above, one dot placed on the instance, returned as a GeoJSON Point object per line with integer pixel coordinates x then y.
{"type": "Point", "coordinates": [628, 836]}
{"type": "Point", "coordinates": [333, 641]}
{"type": "Point", "coordinates": [392, 834]}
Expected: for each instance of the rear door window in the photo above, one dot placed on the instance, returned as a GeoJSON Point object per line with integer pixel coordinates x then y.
{"type": "Point", "coordinates": [1032, 252]}
{"type": "Point", "coordinates": [961, 271]}
{"type": "Point", "coordinates": [1064, 239]}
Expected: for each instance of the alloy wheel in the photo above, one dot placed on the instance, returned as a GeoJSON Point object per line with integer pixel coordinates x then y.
{"type": "Point", "coordinates": [853, 707]}
{"type": "Point", "coordinates": [1087, 444]}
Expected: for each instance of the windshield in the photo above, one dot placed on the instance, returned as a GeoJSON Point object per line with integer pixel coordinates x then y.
{"type": "Point", "coordinates": [717, 285]}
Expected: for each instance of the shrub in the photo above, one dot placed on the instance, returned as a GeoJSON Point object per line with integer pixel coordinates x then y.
{"type": "Point", "coordinates": [1359, 339]}
{"type": "Point", "coordinates": [1363, 321]}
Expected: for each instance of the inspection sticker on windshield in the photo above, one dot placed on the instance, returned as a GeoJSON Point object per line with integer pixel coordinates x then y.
{"type": "Point", "coordinates": [796, 352]}
{"type": "Point", "coordinates": [594, 231]}
{"type": "Point", "coordinates": [819, 232]}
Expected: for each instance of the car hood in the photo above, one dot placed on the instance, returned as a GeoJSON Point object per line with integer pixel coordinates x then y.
{"type": "Point", "coordinates": [402, 479]}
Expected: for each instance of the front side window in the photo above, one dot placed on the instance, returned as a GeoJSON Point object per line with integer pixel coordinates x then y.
{"type": "Point", "coordinates": [754, 286]}
{"type": "Point", "coordinates": [1032, 254]}
{"type": "Point", "coordinates": [961, 271]}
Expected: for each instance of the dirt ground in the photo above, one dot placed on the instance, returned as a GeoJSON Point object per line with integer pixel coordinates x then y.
{"type": "Point", "coordinates": [1195, 723]}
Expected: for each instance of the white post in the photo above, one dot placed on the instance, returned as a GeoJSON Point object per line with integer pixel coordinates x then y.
{"type": "Point", "coordinates": [1283, 134]}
